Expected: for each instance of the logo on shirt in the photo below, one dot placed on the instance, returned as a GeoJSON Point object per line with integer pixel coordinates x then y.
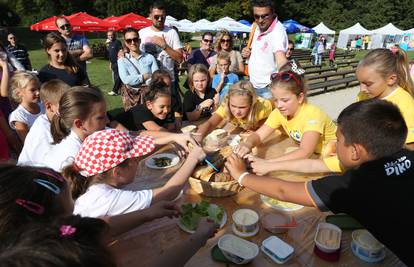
{"type": "Point", "coordinates": [295, 135]}
{"type": "Point", "coordinates": [397, 167]}
{"type": "Point", "coordinates": [312, 122]}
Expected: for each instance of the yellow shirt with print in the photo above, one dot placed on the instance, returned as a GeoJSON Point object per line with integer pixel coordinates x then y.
{"type": "Point", "coordinates": [405, 102]}
{"type": "Point", "coordinates": [309, 119]}
{"type": "Point", "coordinates": [264, 108]}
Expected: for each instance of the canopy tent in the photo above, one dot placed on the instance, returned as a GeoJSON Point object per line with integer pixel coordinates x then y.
{"type": "Point", "coordinates": [130, 20]}
{"type": "Point", "coordinates": [322, 29]}
{"type": "Point", "coordinates": [230, 25]}
{"type": "Point", "coordinates": [203, 25]}
{"type": "Point", "coordinates": [245, 22]}
{"type": "Point", "coordinates": [292, 26]}
{"type": "Point", "coordinates": [185, 25]}
{"type": "Point", "coordinates": [381, 36]}
{"type": "Point", "coordinates": [410, 31]}
{"type": "Point", "coordinates": [81, 22]}
{"type": "Point", "coordinates": [171, 21]}
{"type": "Point", "coordinates": [346, 34]}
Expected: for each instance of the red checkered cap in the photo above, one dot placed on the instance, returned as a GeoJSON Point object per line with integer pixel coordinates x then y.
{"type": "Point", "coordinates": [104, 150]}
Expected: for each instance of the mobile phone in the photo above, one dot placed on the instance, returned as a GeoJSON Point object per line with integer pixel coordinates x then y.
{"type": "Point", "coordinates": [344, 221]}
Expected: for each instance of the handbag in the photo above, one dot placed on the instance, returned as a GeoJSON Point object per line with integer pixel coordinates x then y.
{"type": "Point", "coordinates": [132, 96]}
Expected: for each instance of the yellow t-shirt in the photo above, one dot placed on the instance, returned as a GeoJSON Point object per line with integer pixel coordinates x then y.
{"type": "Point", "coordinates": [309, 118]}
{"type": "Point", "coordinates": [405, 102]}
{"type": "Point", "coordinates": [264, 108]}
{"type": "Point", "coordinates": [333, 164]}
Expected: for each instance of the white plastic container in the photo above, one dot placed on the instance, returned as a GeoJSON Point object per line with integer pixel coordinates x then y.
{"type": "Point", "coordinates": [237, 250]}
{"type": "Point", "coordinates": [366, 247]}
{"type": "Point", "coordinates": [277, 249]}
{"type": "Point", "coordinates": [328, 237]}
{"type": "Point", "coordinates": [246, 222]}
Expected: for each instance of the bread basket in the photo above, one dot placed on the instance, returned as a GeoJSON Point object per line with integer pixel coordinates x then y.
{"type": "Point", "coordinates": [214, 189]}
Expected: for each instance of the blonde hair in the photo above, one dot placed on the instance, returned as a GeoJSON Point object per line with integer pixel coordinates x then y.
{"type": "Point", "coordinates": [223, 55]}
{"type": "Point", "coordinates": [197, 68]}
{"type": "Point", "coordinates": [243, 88]}
{"type": "Point", "coordinates": [52, 91]}
{"type": "Point", "coordinates": [220, 36]}
{"type": "Point", "coordinates": [387, 62]}
{"type": "Point", "coordinates": [19, 81]}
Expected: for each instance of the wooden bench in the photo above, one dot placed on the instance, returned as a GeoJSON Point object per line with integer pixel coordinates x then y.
{"type": "Point", "coordinates": [320, 70]}
{"type": "Point", "coordinates": [327, 75]}
{"type": "Point", "coordinates": [322, 87]}
{"type": "Point", "coordinates": [347, 62]}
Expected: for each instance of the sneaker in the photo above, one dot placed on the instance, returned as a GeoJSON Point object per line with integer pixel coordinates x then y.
{"type": "Point", "coordinates": [112, 93]}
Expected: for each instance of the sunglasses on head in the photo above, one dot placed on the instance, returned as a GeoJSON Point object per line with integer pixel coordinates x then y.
{"type": "Point", "coordinates": [129, 41]}
{"type": "Point", "coordinates": [65, 26]}
{"type": "Point", "coordinates": [225, 41]}
{"type": "Point", "coordinates": [285, 76]}
{"type": "Point", "coordinates": [159, 17]}
{"type": "Point", "coordinates": [263, 17]}
{"type": "Point", "coordinates": [207, 41]}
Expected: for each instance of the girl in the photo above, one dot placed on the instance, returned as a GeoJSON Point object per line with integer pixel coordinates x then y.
{"type": "Point", "coordinates": [82, 111]}
{"type": "Point", "coordinates": [24, 89]}
{"type": "Point", "coordinates": [241, 107]}
{"type": "Point", "coordinates": [107, 161]}
{"type": "Point", "coordinates": [306, 124]}
{"type": "Point", "coordinates": [154, 114]}
{"type": "Point", "coordinates": [199, 100]}
{"type": "Point", "coordinates": [61, 65]}
{"type": "Point", "coordinates": [332, 55]}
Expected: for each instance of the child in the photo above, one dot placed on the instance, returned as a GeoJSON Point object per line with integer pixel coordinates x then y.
{"type": "Point", "coordinates": [241, 107]}
{"type": "Point", "coordinates": [82, 111]}
{"type": "Point", "coordinates": [25, 91]}
{"type": "Point", "coordinates": [154, 114]}
{"type": "Point", "coordinates": [224, 79]}
{"type": "Point", "coordinates": [332, 55]}
{"type": "Point", "coordinates": [39, 139]}
{"type": "Point", "coordinates": [371, 135]}
{"type": "Point", "coordinates": [199, 100]}
{"type": "Point", "coordinates": [306, 124]}
{"type": "Point", "coordinates": [98, 174]}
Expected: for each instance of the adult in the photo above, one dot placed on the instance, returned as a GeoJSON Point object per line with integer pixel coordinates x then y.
{"type": "Point", "coordinates": [268, 50]}
{"type": "Point", "coordinates": [18, 51]}
{"type": "Point", "coordinates": [204, 54]}
{"type": "Point", "coordinates": [135, 70]}
{"type": "Point", "coordinates": [113, 47]}
{"type": "Point", "coordinates": [224, 41]}
{"type": "Point", "coordinates": [164, 44]}
{"type": "Point", "coordinates": [61, 64]}
{"type": "Point", "coordinates": [78, 45]}
{"type": "Point", "coordinates": [289, 52]}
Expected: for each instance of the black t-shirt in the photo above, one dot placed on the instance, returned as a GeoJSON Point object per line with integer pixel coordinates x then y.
{"type": "Point", "coordinates": [49, 72]}
{"type": "Point", "coordinates": [134, 118]}
{"type": "Point", "coordinates": [378, 195]}
{"type": "Point", "coordinates": [192, 100]}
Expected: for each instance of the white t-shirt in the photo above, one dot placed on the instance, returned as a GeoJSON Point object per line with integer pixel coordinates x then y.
{"type": "Point", "coordinates": [172, 39]}
{"type": "Point", "coordinates": [262, 61]}
{"type": "Point", "coordinates": [37, 143]}
{"type": "Point", "coordinates": [21, 114]}
{"type": "Point", "coordinates": [62, 154]}
{"type": "Point", "coordinates": [105, 200]}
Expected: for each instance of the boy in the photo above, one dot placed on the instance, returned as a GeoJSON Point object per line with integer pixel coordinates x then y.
{"type": "Point", "coordinates": [224, 79]}
{"type": "Point", "coordinates": [379, 176]}
{"type": "Point", "coordinates": [39, 139]}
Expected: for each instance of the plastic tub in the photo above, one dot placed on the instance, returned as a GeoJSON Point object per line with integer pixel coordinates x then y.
{"type": "Point", "coordinates": [366, 247]}
{"type": "Point", "coordinates": [278, 222]}
{"type": "Point", "coordinates": [276, 249]}
{"type": "Point", "coordinates": [245, 221]}
{"type": "Point", "coordinates": [328, 237]}
{"type": "Point", "coordinates": [237, 250]}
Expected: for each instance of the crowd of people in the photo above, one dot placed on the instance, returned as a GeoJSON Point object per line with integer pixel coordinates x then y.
{"type": "Point", "coordinates": [63, 200]}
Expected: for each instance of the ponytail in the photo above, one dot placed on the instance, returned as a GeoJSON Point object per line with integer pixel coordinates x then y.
{"type": "Point", "coordinates": [78, 184]}
{"type": "Point", "coordinates": [403, 72]}
{"type": "Point", "coordinates": [74, 104]}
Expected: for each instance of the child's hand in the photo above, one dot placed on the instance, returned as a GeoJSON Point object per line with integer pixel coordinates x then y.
{"type": "Point", "coordinates": [183, 140]}
{"type": "Point", "coordinates": [222, 76]}
{"type": "Point", "coordinates": [163, 208]}
{"type": "Point", "coordinates": [197, 153]}
{"type": "Point", "coordinates": [260, 166]}
{"type": "Point", "coordinates": [207, 103]}
{"type": "Point", "coordinates": [207, 228]}
{"type": "Point", "coordinates": [242, 150]}
{"type": "Point", "coordinates": [235, 166]}
{"type": "Point", "coordinates": [3, 63]}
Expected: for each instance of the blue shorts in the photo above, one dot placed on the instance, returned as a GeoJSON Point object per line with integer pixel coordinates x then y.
{"type": "Point", "coordinates": [264, 93]}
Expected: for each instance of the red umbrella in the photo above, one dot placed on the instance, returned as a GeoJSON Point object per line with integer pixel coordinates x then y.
{"type": "Point", "coordinates": [130, 20]}
{"type": "Point", "coordinates": [81, 22]}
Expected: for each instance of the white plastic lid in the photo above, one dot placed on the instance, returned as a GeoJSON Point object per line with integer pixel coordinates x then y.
{"type": "Point", "coordinates": [278, 247]}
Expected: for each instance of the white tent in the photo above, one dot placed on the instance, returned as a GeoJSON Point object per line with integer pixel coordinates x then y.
{"type": "Point", "coordinates": [171, 21]}
{"type": "Point", "coordinates": [185, 25]}
{"type": "Point", "coordinates": [410, 31]}
{"type": "Point", "coordinates": [350, 32]}
{"type": "Point", "coordinates": [380, 35]}
{"type": "Point", "coordinates": [231, 25]}
{"type": "Point", "coordinates": [322, 29]}
{"type": "Point", "coordinates": [203, 25]}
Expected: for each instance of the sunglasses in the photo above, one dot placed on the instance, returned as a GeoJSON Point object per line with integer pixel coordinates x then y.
{"type": "Point", "coordinates": [291, 49]}
{"type": "Point", "coordinates": [285, 76]}
{"type": "Point", "coordinates": [263, 17]}
{"type": "Point", "coordinates": [159, 17]}
{"type": "Point", "coordinates": [207, 41]}
{"type": "Point", "coordinates": [129, 41]}
{"type": "Point", "coordinates": [65, 26]}
{"type": "Point", "coordinates": [225, 41]}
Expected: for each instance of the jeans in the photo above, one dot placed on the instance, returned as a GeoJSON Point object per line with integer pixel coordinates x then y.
{"type": "Point", "coordinates": [264, 92]}
{"type": "Point", "coordinates": [116, 79]}
{"type": "Point", "coordinates": [318, 59]}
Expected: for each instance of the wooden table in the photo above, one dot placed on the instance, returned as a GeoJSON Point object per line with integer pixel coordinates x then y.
{"type": "Point", "coordinates": [150, 240]}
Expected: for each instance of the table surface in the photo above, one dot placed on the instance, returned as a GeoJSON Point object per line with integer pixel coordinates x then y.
{"type": "Point", "coordinates": [139, 246]}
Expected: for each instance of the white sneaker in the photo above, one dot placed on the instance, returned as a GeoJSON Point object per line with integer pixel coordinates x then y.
{"type": "Point", "coordinates": [112, 93]}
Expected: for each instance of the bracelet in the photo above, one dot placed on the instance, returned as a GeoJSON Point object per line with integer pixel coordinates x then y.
{"type": "Point", "coordinates": [241, 177]}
